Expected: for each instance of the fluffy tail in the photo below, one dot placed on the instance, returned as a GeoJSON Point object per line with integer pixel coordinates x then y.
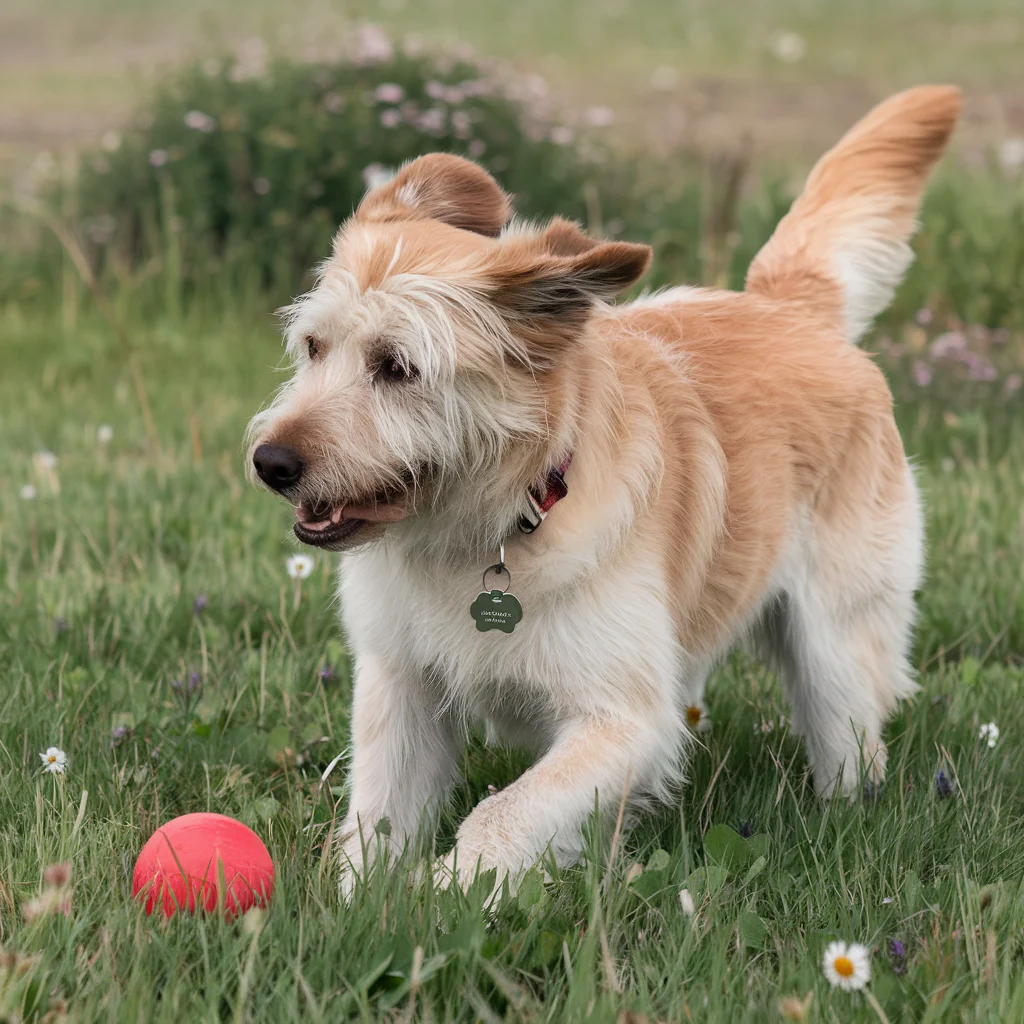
{"type": "Point", "coordinates": [843, 244]}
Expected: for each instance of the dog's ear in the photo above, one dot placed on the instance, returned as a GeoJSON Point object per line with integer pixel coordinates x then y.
{"type": "Point", "coordinates": [564, 238]}
{"type": "Point", "coordinates": [441, 187]}
{"type": "Point", "coordinates": [547, 296]}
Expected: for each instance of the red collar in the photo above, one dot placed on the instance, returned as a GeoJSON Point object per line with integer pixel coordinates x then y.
{"type": "Point", "coordinates": [541, 502]}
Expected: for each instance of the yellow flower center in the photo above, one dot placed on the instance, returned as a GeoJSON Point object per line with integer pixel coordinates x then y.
{"type": "Point", "coordinates": [843, 966]}
{"type": "Point", "coordinates": [52, 758]}
{"type": "Point", "coordinates": [693, 714]}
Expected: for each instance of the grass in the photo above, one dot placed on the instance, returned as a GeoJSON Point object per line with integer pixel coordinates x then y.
{"type": "Point", "coordinates": [100, 575]}
{"type": "Point", "coordinates": [97, 616]}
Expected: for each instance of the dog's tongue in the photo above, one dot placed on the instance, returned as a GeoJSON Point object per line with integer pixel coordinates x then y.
{"type": "Point", "coordinates": [381, 513]}
{"type": "Point", "coordinates": [386, 513]}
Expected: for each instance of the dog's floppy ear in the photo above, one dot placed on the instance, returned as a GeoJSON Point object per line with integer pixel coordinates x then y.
{"type": "Point", "coordinates": [441, 187]}
{"type": "Point", "coordinates": [565, 238]}
{"type": "Point", "coordinates": [547, 296]}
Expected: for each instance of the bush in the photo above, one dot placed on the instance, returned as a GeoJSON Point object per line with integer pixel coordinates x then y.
{"type": "Point", "coordinates": [252, 173]}
{"type": "Point", "coordinates": [236, 175]}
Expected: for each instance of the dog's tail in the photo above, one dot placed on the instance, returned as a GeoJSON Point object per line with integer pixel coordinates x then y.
{"type": "Point", "coordinates": [843, 246]}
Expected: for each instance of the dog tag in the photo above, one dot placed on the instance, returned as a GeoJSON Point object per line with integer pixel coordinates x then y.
{"type": "Point", "coordinates": [496, 609]}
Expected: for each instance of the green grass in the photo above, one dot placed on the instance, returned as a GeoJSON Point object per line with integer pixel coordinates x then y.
{"type": "Point", "coordinates": [97, 592]}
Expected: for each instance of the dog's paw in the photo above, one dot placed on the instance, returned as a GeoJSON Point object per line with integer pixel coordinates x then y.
{"type": "Point", "coordinates": [485, 842]}
{"type": "Point", "coordinates": [356, 858]}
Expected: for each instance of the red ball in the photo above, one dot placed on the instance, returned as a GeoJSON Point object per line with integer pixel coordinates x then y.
{"type": "Point", "coordinates": [181, 866]}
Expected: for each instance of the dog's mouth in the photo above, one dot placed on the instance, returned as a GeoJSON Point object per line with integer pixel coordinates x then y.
{"type": "Point", "coordinates": [329, 524]}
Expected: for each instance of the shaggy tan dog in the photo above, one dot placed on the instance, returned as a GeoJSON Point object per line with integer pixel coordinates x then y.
{"type": "Point", "coordinates": [732, 464]}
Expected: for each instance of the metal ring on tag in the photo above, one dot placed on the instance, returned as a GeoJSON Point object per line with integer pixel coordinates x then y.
{"type": "Point", "coordinates": [499, 569]}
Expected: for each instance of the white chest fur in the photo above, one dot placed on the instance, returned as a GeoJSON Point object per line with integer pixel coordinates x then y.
{"type": "Point", "coordinates": [598, 643]}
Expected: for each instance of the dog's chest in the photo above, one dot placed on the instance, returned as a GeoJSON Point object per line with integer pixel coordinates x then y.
{"type": "Point", "coordinates": [572, 643]}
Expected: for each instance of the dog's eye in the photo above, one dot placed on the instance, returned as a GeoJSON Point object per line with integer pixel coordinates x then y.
{"type": "Point", "coordinates": [391, 370]}
{"type": "Point", "coordinates": [313, 346]}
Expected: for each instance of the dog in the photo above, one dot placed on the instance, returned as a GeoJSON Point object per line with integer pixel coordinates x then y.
{"type": "Point", "coordinates": [651, 482]}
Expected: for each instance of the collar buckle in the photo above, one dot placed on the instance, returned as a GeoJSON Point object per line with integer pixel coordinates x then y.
{"type": "Point", "coordinates": [555, 489]}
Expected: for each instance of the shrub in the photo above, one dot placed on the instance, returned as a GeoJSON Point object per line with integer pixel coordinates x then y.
{"type": "Point", "coordinates": [251, 173]}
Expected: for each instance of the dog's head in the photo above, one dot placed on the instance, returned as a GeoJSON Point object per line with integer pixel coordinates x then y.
{"type": "Point", "coordinates": [433, 360]}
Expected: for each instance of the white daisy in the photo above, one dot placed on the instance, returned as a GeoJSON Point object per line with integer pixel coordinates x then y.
{"type": "Point", "coordinates": [45, 460]}
{"type": "Point", "coordinates": [686, 902]}
{"type": "Point", "coordinates": [104, 433]}
{"type": "Point", "coordinates": [847, 966]}
{"type": "Point", "coordinates": [789, 47]}
{"type": "Point", "coordinates": [1011, 153]}
{"type": "Point", "coordinates": [28, 492]}
{"type": "Point", "coordinates": [55, 761]}
{"type": "Point", "coordinates": [299, 566]}
{"type": "Point", "coordinates": [697, 718]}
{"type": "Point", "coordinates": [990, 733]}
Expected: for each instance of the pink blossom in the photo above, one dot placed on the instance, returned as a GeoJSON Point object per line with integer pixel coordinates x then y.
{"type": "Point", "coordinates": [922, 375]}
{"type": "Point", "coordinates": [373, 46]}
{"type": "Point", "coordinates": [1013, 383]}
{"type": "Point", "coordinates": [200, 122]}
{"type": "Point", "coordinates": [979, 368]}
{"type": "Point", "coordinates": [158, 157]}
{"type": "Point", "coordinates": [950, 345]}
{"type": "Point", "coordinates": [561, 135]}
{"type": "Point", "coordinates": [923, 316]}
{"type": "Point", "coordinates": [477, 148]}
{"type": "Point", "coordinates": [389, 92]}
{"type": "Point", "coordinates": [390, 118]}
{"type": "Point", "coordinates": [599, 117]}
{"type": "Point", "coordinates": [432, 121]}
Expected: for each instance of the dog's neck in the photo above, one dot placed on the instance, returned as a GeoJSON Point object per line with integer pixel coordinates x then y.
{"type": "Point", "coordinates": [466, 524]}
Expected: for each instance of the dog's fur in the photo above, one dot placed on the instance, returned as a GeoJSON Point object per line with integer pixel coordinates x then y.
{"type": "Point", "coordinates": [736, 472]}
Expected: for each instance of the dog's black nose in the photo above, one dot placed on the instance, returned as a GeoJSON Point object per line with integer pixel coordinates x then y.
{"type": "Point", "coordinates": [277, 466]}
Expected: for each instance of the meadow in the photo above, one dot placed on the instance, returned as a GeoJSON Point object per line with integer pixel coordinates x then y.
{"type": "Point", "coordinates": [150, 630]}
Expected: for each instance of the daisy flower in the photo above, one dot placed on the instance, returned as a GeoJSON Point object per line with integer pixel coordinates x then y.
{"type": "Point", "coordinates": [45, 459]}
{"type": "Point", "coordinates": [847, 966]}
{"type": "Point", "coordinates": [104, 433]}
{"type": "Point", "coordinates": [990, 733]}
{"type": "Point", "coordinates": [28, 492]}
{"type": "Point", "coordinates": [697, 718]}
{"type": "Point", "coordinates": [686, 902]}
{"type": "Point", "coordinates": [299, 566]}
{"type": "Point", "coordinates": [55, 761]}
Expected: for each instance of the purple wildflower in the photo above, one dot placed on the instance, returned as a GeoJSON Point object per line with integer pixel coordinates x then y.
{"type": "Point", "coordinates": [118, 734]}
{"type": "Point", "coordinates": [200, 604]}
{"type": "Point", "coordinates": [922, 375]}
{"type": "Point", "coordinates": [194, 683]}
{"type": "Point", "coordinates": [950, 345]}
{"type": "Point", "coordinates": [943, 784]}
{"type": "Point", "coordinates": [898, 956]}
{"type": "Point", "coordinates": [326, 674]}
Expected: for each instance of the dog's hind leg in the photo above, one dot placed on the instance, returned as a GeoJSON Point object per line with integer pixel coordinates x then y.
{"type": "Point", "coordinates": [842, 637]}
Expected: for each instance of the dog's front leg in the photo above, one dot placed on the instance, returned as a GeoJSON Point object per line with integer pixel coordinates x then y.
{"type": "Point", "coordinates": [549, 803]}
{"type": "Point", "coordinates": [405, 751]}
